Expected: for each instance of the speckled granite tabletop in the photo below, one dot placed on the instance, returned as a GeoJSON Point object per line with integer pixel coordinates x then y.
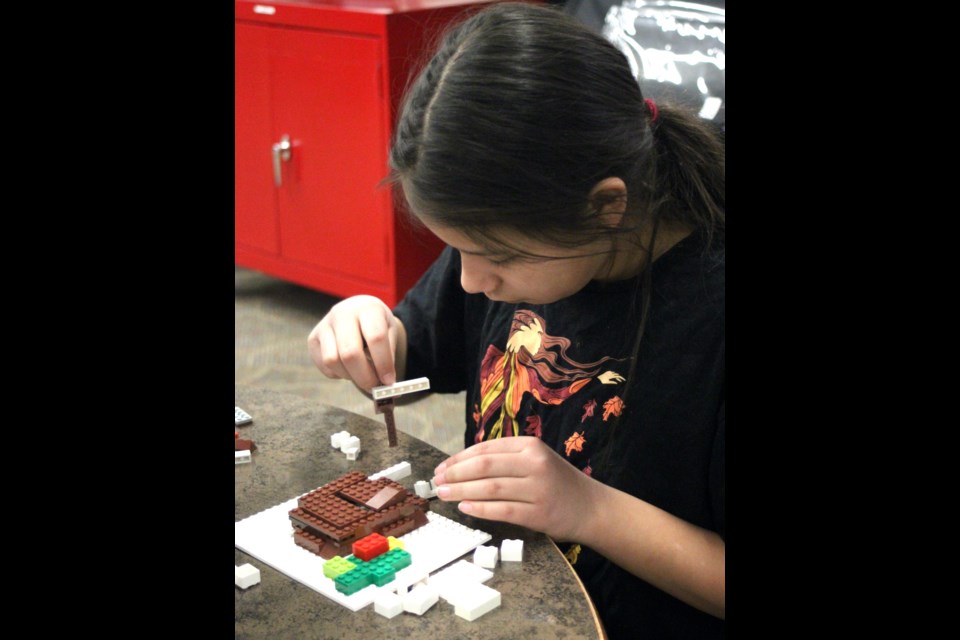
{"type": "Point", "coordinates": [541, 596]}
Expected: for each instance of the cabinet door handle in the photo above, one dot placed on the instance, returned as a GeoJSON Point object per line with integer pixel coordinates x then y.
{"type": "Point", "coordinates": [281, 153]}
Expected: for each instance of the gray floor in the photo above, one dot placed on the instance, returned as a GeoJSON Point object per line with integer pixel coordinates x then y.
{"type": "Point", "coordinates": [272, 321]}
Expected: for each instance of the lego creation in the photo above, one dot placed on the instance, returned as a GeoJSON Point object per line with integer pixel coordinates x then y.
{"type": "Point", "coordinates": [267, 536]}
{"type": "Point", "coordinates": [343, 511]}
{"type": "Point", "coordinates": [383, 402]}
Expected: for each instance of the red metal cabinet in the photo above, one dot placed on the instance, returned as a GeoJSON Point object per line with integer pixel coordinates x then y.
{"type": "Point", "coordinates": [317, 89]}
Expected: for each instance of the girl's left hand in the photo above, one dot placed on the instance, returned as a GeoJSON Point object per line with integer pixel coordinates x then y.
{"type": "Point", "coordinates": [522, 481]}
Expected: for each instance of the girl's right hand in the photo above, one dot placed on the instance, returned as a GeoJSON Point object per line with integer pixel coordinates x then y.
{"type": "Point", "coordinates": [357, 340]}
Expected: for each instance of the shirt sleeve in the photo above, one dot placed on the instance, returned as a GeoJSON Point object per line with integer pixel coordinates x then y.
{"type": "Point", "coordinates": [433, 314]}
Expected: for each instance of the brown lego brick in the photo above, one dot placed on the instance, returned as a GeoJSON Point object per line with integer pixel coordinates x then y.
{"type": "Point", "coordinates": [308, 541]}
{"type": "Point", "coordinates": [385, 406]}
{"type": "Point", "coordinates": [360, 492]}
{"type": "Point", "coordinates": [386, 497]}
{"type": "Point", "coordinates": [332, 509]}
{"type": "Point", "coordinates": [320, 527]}
{"type": "Point", "coordinates": [240, 444]}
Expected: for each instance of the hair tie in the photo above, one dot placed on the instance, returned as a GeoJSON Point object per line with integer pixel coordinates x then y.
{"type": "Point", "coordinates": [651, 105]}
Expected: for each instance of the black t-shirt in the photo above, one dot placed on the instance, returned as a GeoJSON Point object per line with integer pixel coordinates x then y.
{"type": "Point", "coordinates": [557, 371]}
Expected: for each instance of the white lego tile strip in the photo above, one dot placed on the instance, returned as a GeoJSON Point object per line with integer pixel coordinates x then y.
{"type": "Point", "coordinates": [400, 388]}
{"type": "Point", "coordinates": [396, 473]}
{"type": "Point", "coordinates": [268, 536]}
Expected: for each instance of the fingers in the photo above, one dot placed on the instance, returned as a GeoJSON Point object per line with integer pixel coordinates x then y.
{"type": "Point", "coordinates": [381, 344]}
{"type": "Point", "coordinates": [519, 513]}
{"type": "Point", "coordinates": [497, 445]}
{"type": "Point", "coordinates": [356, 340]}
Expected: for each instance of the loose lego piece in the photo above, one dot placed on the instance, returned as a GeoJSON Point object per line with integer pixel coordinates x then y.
{"type": "Point", "coordinates": [420, 598]}
{"type": "Point", "coordinates": [449, 582]}
{"type": "Point", "coordinates": [242, 444]}
{"type": "Point", "coordinates": [397, 472]}
{"type": "Point", "coordinates": [388, 604]}
{"type": "Point", "coordinates": [246, 575]}
{"type": "Point", "coordinates": [352, 453]}
{"type": "Point", "coordinates": [349, 442]}
{"type": "Point", "coordinates": [485, 557]}
{"type": "Point", "coordinates": [240, 417]}
{"type": "Point", "coordinates": [475, 600]}
{"type": "Point", "coordinates": [241, 457]}
{"type": "Point", "coordinates": [511, 551]}
{"type": "Point", "coordinates": [337, 437]}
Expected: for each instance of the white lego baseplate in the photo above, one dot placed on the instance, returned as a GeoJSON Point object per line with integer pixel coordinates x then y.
{"type": "Point", "coordinates": [268, 536]}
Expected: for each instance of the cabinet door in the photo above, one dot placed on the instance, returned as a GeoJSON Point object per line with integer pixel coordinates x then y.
{"type": "Point", "coordinates": [256, 222]}
{"type": "Point", "coordinates": [326, 96]}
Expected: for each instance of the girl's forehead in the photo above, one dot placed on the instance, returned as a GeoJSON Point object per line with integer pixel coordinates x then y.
{"type": "Point", "coordinates": [482, 243]}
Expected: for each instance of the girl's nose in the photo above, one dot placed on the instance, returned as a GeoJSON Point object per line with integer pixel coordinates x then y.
{"type": "Point", "coordinates": [475, 275]}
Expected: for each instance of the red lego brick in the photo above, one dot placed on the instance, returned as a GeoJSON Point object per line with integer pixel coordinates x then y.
{"type": "Point", "coordinates": [370, 547]}
{"type": "Point", "coordinates": [240, 444]}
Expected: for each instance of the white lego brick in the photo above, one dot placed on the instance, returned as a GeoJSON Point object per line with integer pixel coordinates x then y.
{"type": "Point", "coordinates": [336, 438]}
{"type": "Point", "coordinates": [422, 488]}
{"type": "Point", "coordinates": [388, 604]}
{"type": "Point", "coordinates": [406, 579]}
{"type": "Point", "coordinates": [396, 473]}
{"type": "Point", "coordinates": [511, 551]}
{"type": "Point", "coordinates": [476, 600]}
{"type": "Point", "coordinates": [246, 575]}
{"type": "Point", "coordinates": [486, 557]}
{"type": "Point", "coordinates": [450, 581]}
{"type": "Point", "coordinates": [349, 442]}
{"type": "Point", "coordinates": [420, 598]}
{"type": "Point", "coordinates": [352, 453]}
{"type": "Point", "coordinates": [241, 457]}
{"type": "Point", "coordinates": [400, 388]}
{"type": "Point", "coordinates": [268, 536]}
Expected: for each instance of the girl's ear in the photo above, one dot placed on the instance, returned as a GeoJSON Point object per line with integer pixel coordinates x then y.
{"type": "Point", "coordinates": [610, 197]}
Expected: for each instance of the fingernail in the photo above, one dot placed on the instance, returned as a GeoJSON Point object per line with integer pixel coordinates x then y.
{"type": "Point", "coordinates": [440, 468]}
{"type": "Point", "coordinates": [390, 378]}
{"type": "Point", "coordinates": [439, 479]}
{"type": "Point", "coordinates": [466, 507]}
{"type": "Point", "coordinates": [443, 492]}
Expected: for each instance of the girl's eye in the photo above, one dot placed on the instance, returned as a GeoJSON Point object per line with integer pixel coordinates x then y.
{"type": "Point", "coordinates": [502, 260]}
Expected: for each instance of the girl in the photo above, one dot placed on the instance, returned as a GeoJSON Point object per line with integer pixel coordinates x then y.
{"type": "Point", "coordinates": [579, 302]}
